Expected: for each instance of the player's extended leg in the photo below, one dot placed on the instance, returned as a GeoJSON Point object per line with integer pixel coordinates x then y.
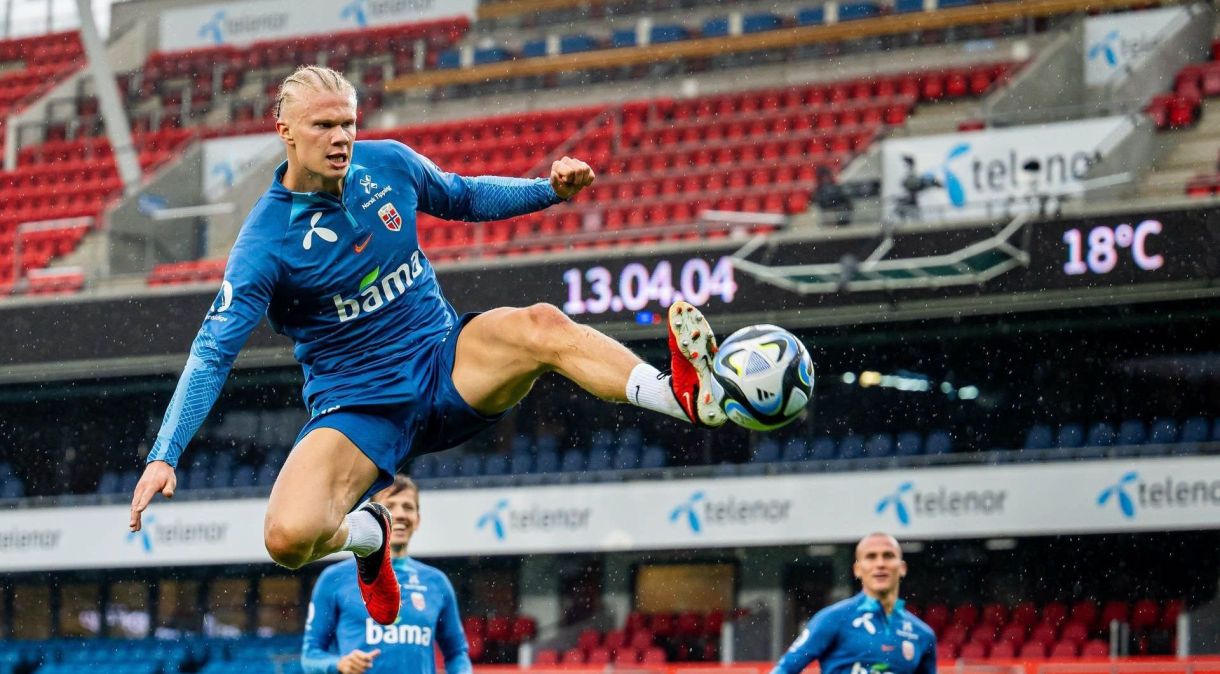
{"type": "Point", "coordinates": [502, 352]}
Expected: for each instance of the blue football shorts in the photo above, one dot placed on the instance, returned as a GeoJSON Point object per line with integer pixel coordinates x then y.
{"type": "Point", "coordinates": [388, 434]}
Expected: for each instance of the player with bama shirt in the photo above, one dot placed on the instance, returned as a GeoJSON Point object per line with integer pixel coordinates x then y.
{"type": "Point", "coordinates": [341, 637]}
{"type": "Point", "coordinates": [330, 254]}
{"type": "Point", "coordinates": [871, 632]}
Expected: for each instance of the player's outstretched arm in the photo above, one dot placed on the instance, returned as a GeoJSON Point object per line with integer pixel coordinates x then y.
{"type": "Point", "coordinates": [810, 645]}
{"type": "Point", "coordinates": [450, 636]}
{"type": "Point", "coordinates": [321, 622]}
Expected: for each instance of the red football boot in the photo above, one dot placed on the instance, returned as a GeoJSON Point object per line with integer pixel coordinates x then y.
{"type": "Point", "coordinates": [691, 348]}
{"type": "Point", "coordinates": [375, 575]}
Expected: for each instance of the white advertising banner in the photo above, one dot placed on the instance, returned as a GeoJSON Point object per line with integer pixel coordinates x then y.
{"type": "Point", "coordinates": [241, 23]}
{"type": "Point", "coordinates": [965, 502]}
{"type": "Point", "coordinates": [228, 161]}
{"type": "Point", "coordinates": [1114, 41]}
{"type": "Point", "coordinates": [969, 176]}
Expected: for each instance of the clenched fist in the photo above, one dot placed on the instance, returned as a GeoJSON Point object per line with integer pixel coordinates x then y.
{"type": "Point", "coordinates": [569, 176]}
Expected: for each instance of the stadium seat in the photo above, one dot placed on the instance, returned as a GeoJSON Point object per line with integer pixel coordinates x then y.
{"type": "Point", "coordinates": [1163, 432]}
{"type": "Point", "coordinates": [1095, 648]}
{"type": "Point", "coordinates": [851, 447]}
{"type": "Point", "coordinates": [1065, 650]}
{"type": "Point", "coordinates": [879, 445]}
{"type": "Point", "coordinates": [938, 442]}
{"type": "Point", "coordinates": [573, 461]}
{"type": "Point", "coordinates": [1003, 650]}
{"type": "Point", "coordinates": [973, 650]}
{"type": "Point", "coordinates": [1075, 632]}
{"type": "Point", "coordinates": [547, 461]}
{"type": "Point", "coordinates": [1033, 650]}
{"type": "Point", "coordinates": [795, 450]}
{"type": "Point", "coordinates": [546, 657]}
{"type": "Point", "coordinates": [766, 451]}
{"type": "Point", "coordinates": [821, 449]}
{"type": "Point", "coordinates": [1131, 432]}
{"type": "Point", "coordinates": [1070, 436]}
{"type": "Point", "coordinates": [1038, 437]}
{"type": "Point", "coordinates": [1101, 434]}
{"type": "Point", "coordinates": [1194, 429]}
{"type": "Point", "coordinates": [909, 444]}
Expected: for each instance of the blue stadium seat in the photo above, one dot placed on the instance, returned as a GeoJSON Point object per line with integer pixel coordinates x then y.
{"type": "Point", "coordinates": [546, 443]}
{"type": "Point", "coordinates": [570, 44]}
{"type": "Point", "coordinates": [450, 58]}
{"type": "Point", "coordinates": [491, 55]}
{"type": "Point", "coordinates": [812, 16]}
{"type": "Point", "coordinates": [1131, 432]}
{"type": "Point", "coordinates": [879, 445]}
{"type": "Point", "coordinates": [266, 474]}
{"type": "Point", "coordinates": [520, 463]}
{"type": "Point", "coordinates": [623, 38]}
{"type": "Point", "coordinates": [1163, 432]}
{"type": "Point", "coordinates": [547, 461]}
{"type": "Point", "coordinates": [423, 467]}
{"type": "Point", "coordinates": [573, 461]}
{"type": "Point", "coordinates": [850, 11]}
{"type": "Point", "coordinates": [1194, 429]}
{"type": "Point", "coordinates": [627, 458]}
{"type": "Point", "coordinates": [1038, 437]}
{"type": "Point", "coordinates": [654, 457]}
{"type": "Point", "coordinates": [495, 464]}
{"type": "Point", "coordinates": [186, 478]}
{"type": "Point", "coordinates": [243, 477]}
{"type": "Point", "coordinates": [767, 451]}
{"type": "Point", "coordinates": [1101, 434]}
{"type": "Point", "coordinates": [534, 49]}
{"type": "Point", "coordinates": [795, 450]}
{"type": "Point", "coordinates": [471, 465]}
{"type": "Point", "coordinates": [603, 440]}
{"type": "Point", "coordinates": [599, 460]}
{"type": "Point", "coordinates": [759, 22]}
{"type": "Point", "coordinates": [669, 33]}
{"type": "Point", "coordinates": [1070, 435]}
{"type": "Point", "coordinates": [717, 26]}
{"type": "Point", "coordinates": [909, 444]}
{"type": "Point", "coordinates": [822, 449]}
{"type": "Point", "coordinates": [938, 442]}
{"type": "Point", "coordinates": [630, 438]}
{"type": "Point", "coordinates": [108, 484]}
{"type": "Point", "coordinates": [851, 447]}
{"type": "Point", "coordinates": [520, 443]}
{"type": "Point", "coordinates": [904, 6]}
{"type": "Point", "coordinates": [220, 477]}
{"type": "Point", "coordinates": [447, 464]}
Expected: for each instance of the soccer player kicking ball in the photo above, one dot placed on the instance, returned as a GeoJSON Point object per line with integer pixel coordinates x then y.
{"type": "Point", "coordinates": [871, 632]}
{"type": "Point", "coordinates": [339, 635]}
{"type": "Point", "coordinates": [331, 255]}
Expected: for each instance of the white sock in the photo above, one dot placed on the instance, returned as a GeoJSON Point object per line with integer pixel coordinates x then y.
{"type": "Point", "coordinates": [363, 533]}
{"type": "Point", "coordinates": [648, 388]}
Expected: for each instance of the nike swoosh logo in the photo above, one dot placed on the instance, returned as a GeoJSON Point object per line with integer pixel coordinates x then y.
{"type": "Point", "coordinates": [359, 247]}
{"type": "Point", "coordinates": [637, 394]}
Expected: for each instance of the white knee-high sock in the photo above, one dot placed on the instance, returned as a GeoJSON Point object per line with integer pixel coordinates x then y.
{"type": "Point", "coordinates": [648, 388]}
{"type": "Point", "coordinates": [363, 533]}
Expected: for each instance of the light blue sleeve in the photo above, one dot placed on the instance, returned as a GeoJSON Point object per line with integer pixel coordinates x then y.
{"type": "Point", "coordinates": [483, 199]}
{"type": "Point", "coordinates": [810, 645]}
{"type": "Point", "coordinates": [320, 624]}
{"type": "Point", "coordinates": [450, 636]}
{"type": "Point", "coordinates": [245, 293]}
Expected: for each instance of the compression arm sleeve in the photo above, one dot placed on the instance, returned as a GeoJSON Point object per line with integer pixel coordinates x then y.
{"type": "Point", "coordinates": [482, 199]}
{"type": "Point", "coordinates": [451, 637]}
{"type": "Point", "coordinates": [811, 645]}
{"type": "Point", "coordinates": [243, 299]}
{"type": "Point", "coordinates": [320, 625]}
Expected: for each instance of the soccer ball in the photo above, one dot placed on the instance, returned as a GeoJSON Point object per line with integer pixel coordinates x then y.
{"type": "Point", "coordinates": [767, 377]}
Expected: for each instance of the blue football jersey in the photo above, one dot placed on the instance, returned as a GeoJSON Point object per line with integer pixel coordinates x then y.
{"type": "Point", "coordinates": [338, 623]}
{"type": "Point", "coordinates": [855, 636]}
{"type": "Point", "coordinates": [345, 279]}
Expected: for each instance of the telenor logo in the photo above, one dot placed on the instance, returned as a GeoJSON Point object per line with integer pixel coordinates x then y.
{"type": "Point", "coordinates": [214, 29]}
{"type": "Point", "coordinates": [1134, 494]}
{"type": "Point", "coordinates": [908, 503]}
{"type": "Point", "coordinates": [493, 518]}
{"type": "Point", "coordinates": [700, 512]}
{"type": "Point", "coordinates": [354, 11]}
{"type": "Point", "coordinates": [502, 520]}
{"type": "Point", "coordinates": [953, 184]}
{"type": "Point", "coordinates": [1118, 492]}
{"type": "Point", "coordinates": [1105, 47]}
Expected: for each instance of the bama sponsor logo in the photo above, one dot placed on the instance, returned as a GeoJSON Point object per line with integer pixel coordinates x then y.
{"type": "Point", "coordinates": [907, 503]}
{"type": "Point", "coordinates": [154, 534]}
{"type": "Point", "coordinates": [224, 27]}
{"type": "Point", "coordinates": [1132, 494]}
{"type": "Point", "coordinates": [411, 635]}
{"type": "Point", "coordinates": [376, 290]}
{"type": "Point", "coordinates": [700, 512]}
{"type": "Point", "coordinates": [502, 520]}
{"type": "Point", "coordinates": [17, 540]}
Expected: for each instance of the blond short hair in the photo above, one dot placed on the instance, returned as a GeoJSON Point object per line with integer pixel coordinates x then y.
{"type": "Point", "coordinates": [314, 78]}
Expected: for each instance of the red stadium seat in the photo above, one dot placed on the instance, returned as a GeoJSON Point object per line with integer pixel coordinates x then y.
{"type": "Point", "coordinates": [574, 656]}
{"type": "Point", "coordinates": [965, 615]}
{"type": "Point", "coordinates": [1003, 650]}
{"type": "Point", "coordinates": [546, 657]}
{"type": "Point", "coordinates": [1145, 614]}
{"type": "Point", "coordinates": [653, 656]}
{"type": "Point", "coordinates": [1075, 632]}
{"type": "Point", "coordinates": [1065, 649]}
{"type": "Point", "coordinates": [973, 651]}
{"type": "Point", "coordinates": [1095, 648]}
{"type": "Point", "coordinates": [1034, 650]}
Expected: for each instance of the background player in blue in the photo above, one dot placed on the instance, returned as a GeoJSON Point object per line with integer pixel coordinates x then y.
{"type": "Point", "coordinates": [871, 632]}
{"type": "Point", "coordinates": [341, 637]}
{"type": "Point", "coordinates": [330, 254]}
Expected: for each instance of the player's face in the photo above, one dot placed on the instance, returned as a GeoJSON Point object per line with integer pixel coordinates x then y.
{"type": "Point", "coordinates": [319, 130]}
{"type": "Point", "coordinates": [404, 508]}
{"type": "Point", "coordinates": [879, 565]}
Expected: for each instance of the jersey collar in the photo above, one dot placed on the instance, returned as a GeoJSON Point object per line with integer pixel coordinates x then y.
{"type": "Point", "coordinates": [867, 603]}
{"type": "Point", "coordinates": [278, 189]}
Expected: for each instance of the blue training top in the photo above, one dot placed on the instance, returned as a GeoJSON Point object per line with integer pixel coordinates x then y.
{"type": "Point", "coordinates": [855, 636]}
{"type": "Point", "coordinates": [344, 278]}
{"type": "Point", "coordinates": [338, 623]}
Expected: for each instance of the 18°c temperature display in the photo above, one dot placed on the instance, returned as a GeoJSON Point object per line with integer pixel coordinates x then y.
{"type": "Point", "coordinates": [1101, 250]}
{"type": "Point", "coordinates": [597, 290]}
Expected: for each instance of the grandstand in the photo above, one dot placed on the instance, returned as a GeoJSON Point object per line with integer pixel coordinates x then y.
{"type": "Point", "coordinates": [993, 223]}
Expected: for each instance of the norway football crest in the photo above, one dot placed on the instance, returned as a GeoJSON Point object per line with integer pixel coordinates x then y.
{"type": "Point", "coordinates": [417, 600]}
{"type": "Point", "coordinates": [908, 650]}
{"type": "Point", "coordinates": [389, 215]}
